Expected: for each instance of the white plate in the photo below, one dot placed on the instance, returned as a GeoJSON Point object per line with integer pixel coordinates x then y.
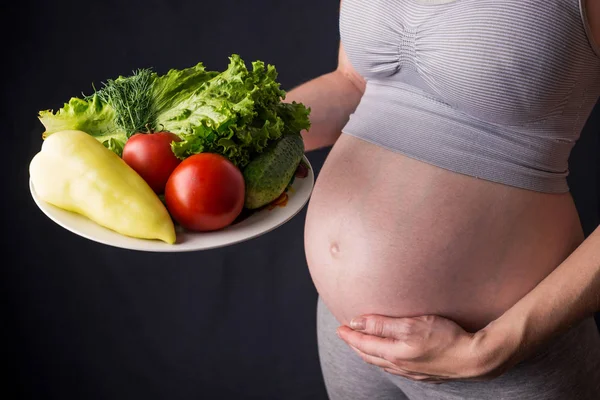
{"type": "Point", "coordinates": [257, 224]}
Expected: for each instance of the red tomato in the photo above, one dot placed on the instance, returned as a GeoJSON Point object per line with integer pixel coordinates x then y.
{"type": "Point", "coordinates": [205, 192]}
{"type": "Point", "coordinates": [150, 155]}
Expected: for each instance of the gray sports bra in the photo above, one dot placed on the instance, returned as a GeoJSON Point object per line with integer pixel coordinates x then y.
{"type": "Point", "coordinates": [496, 89]}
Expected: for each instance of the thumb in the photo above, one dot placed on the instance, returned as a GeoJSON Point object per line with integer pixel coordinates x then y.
{"type": "Point", "coordinates": [396, 328]}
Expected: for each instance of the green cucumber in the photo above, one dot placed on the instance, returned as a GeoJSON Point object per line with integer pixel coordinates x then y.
{"type": "Point", "coordinates": [268, 175]}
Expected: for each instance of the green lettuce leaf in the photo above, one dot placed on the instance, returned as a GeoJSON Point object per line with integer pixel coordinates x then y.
{"type": "Point", "coordinates": [116, 146]}
{"type": "Point", "coordinates": [91, 115]}
{"type": "Point", "coordinates": [295, 115]}
{"type": "Point", "coordinates": [236, 113]}
{"type": "Point", "coordinates": [176, 85]}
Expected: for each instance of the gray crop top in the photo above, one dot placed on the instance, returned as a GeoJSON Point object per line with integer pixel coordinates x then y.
{"type": "Point", "coordinates": [496, 89]}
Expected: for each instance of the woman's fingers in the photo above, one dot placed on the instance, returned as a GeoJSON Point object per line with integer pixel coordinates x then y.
{"type": "Point", "coordinates": [394, 349]}
{"type": "Point", "coordinates": [372, 345]}
{"type": "Point", "coordinates": [427, 348]}
{"type": "Point", "coordinates": [379, 362]}
{"type": "Point", "coordinates": [388, 367]}
{"type": "Point", "coordinates": [378, 325]}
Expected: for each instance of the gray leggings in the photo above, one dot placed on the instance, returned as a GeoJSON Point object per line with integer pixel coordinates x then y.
{"type": "Point", "coordinates": [567, 369]}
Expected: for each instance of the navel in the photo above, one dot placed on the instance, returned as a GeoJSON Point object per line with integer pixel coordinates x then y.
{"type": "Point", "coordinates": [334, 249]}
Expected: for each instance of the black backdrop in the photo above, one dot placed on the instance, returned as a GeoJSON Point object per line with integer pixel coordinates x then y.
{"type": "Point", "coordinates": [85, 321]}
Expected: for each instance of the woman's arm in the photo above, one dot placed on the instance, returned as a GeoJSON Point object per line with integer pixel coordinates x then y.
{"type": "Point", "coordinates": [566, 296]}
{"type": "Point", "coordinates": [332, 98]}
{"type": "Point", "coordinates": [432, 348]}
{"type": "Point", "coordinates": [569, 294]}
{"type": "Point", "coordinates": [593, 11]}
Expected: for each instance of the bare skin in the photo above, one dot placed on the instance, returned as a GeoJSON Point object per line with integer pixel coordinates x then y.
{"type": "Point", "coordinates": [593, 7]}
{"type": "Point", "coordinates": [426, 240]}
{"type": "Point", "coordinates": [388, 236]}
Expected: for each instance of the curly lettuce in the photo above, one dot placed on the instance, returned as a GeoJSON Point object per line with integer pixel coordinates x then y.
{"type": "Point", "coordinates": [237, 112]}
{"type": "Point", "coordinates": [92, 116]}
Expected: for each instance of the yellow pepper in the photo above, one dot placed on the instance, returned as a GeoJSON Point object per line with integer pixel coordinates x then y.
{"type": "Point", "coordinates": [75, 172]}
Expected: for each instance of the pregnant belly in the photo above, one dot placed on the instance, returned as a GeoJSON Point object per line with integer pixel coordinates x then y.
{"type": "Point", "coordinates": [390, 235]}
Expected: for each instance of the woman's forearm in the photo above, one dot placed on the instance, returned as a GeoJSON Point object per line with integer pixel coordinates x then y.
{"type": "Point", "coordinates": [565, 297]}
{"type": "Point", "coordinates": [332, 98]}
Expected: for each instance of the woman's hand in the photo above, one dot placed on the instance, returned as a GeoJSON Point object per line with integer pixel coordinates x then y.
{"type": "Point", "coordinates": [435, 349]}
{"type": "Point", "coordinates": [430, 348]}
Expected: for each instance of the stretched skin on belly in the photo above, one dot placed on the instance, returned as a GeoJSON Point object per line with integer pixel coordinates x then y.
{"type": "Point", "coordinates": [391, 235]}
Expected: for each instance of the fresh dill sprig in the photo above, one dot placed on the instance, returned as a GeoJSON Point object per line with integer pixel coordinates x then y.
{"type": "Point", "coordinates": [131, 98]}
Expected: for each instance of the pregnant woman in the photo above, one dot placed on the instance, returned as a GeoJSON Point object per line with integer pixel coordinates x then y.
{"type": "Point", "coordinates": [442, 214]}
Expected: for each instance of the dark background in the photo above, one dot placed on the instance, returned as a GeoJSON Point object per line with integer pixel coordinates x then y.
{"type": "Point", "coordinates": [85, 321]}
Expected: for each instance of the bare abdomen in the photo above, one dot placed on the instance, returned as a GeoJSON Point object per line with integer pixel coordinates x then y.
{"type": "Point", "coordinates": [390, 235]}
